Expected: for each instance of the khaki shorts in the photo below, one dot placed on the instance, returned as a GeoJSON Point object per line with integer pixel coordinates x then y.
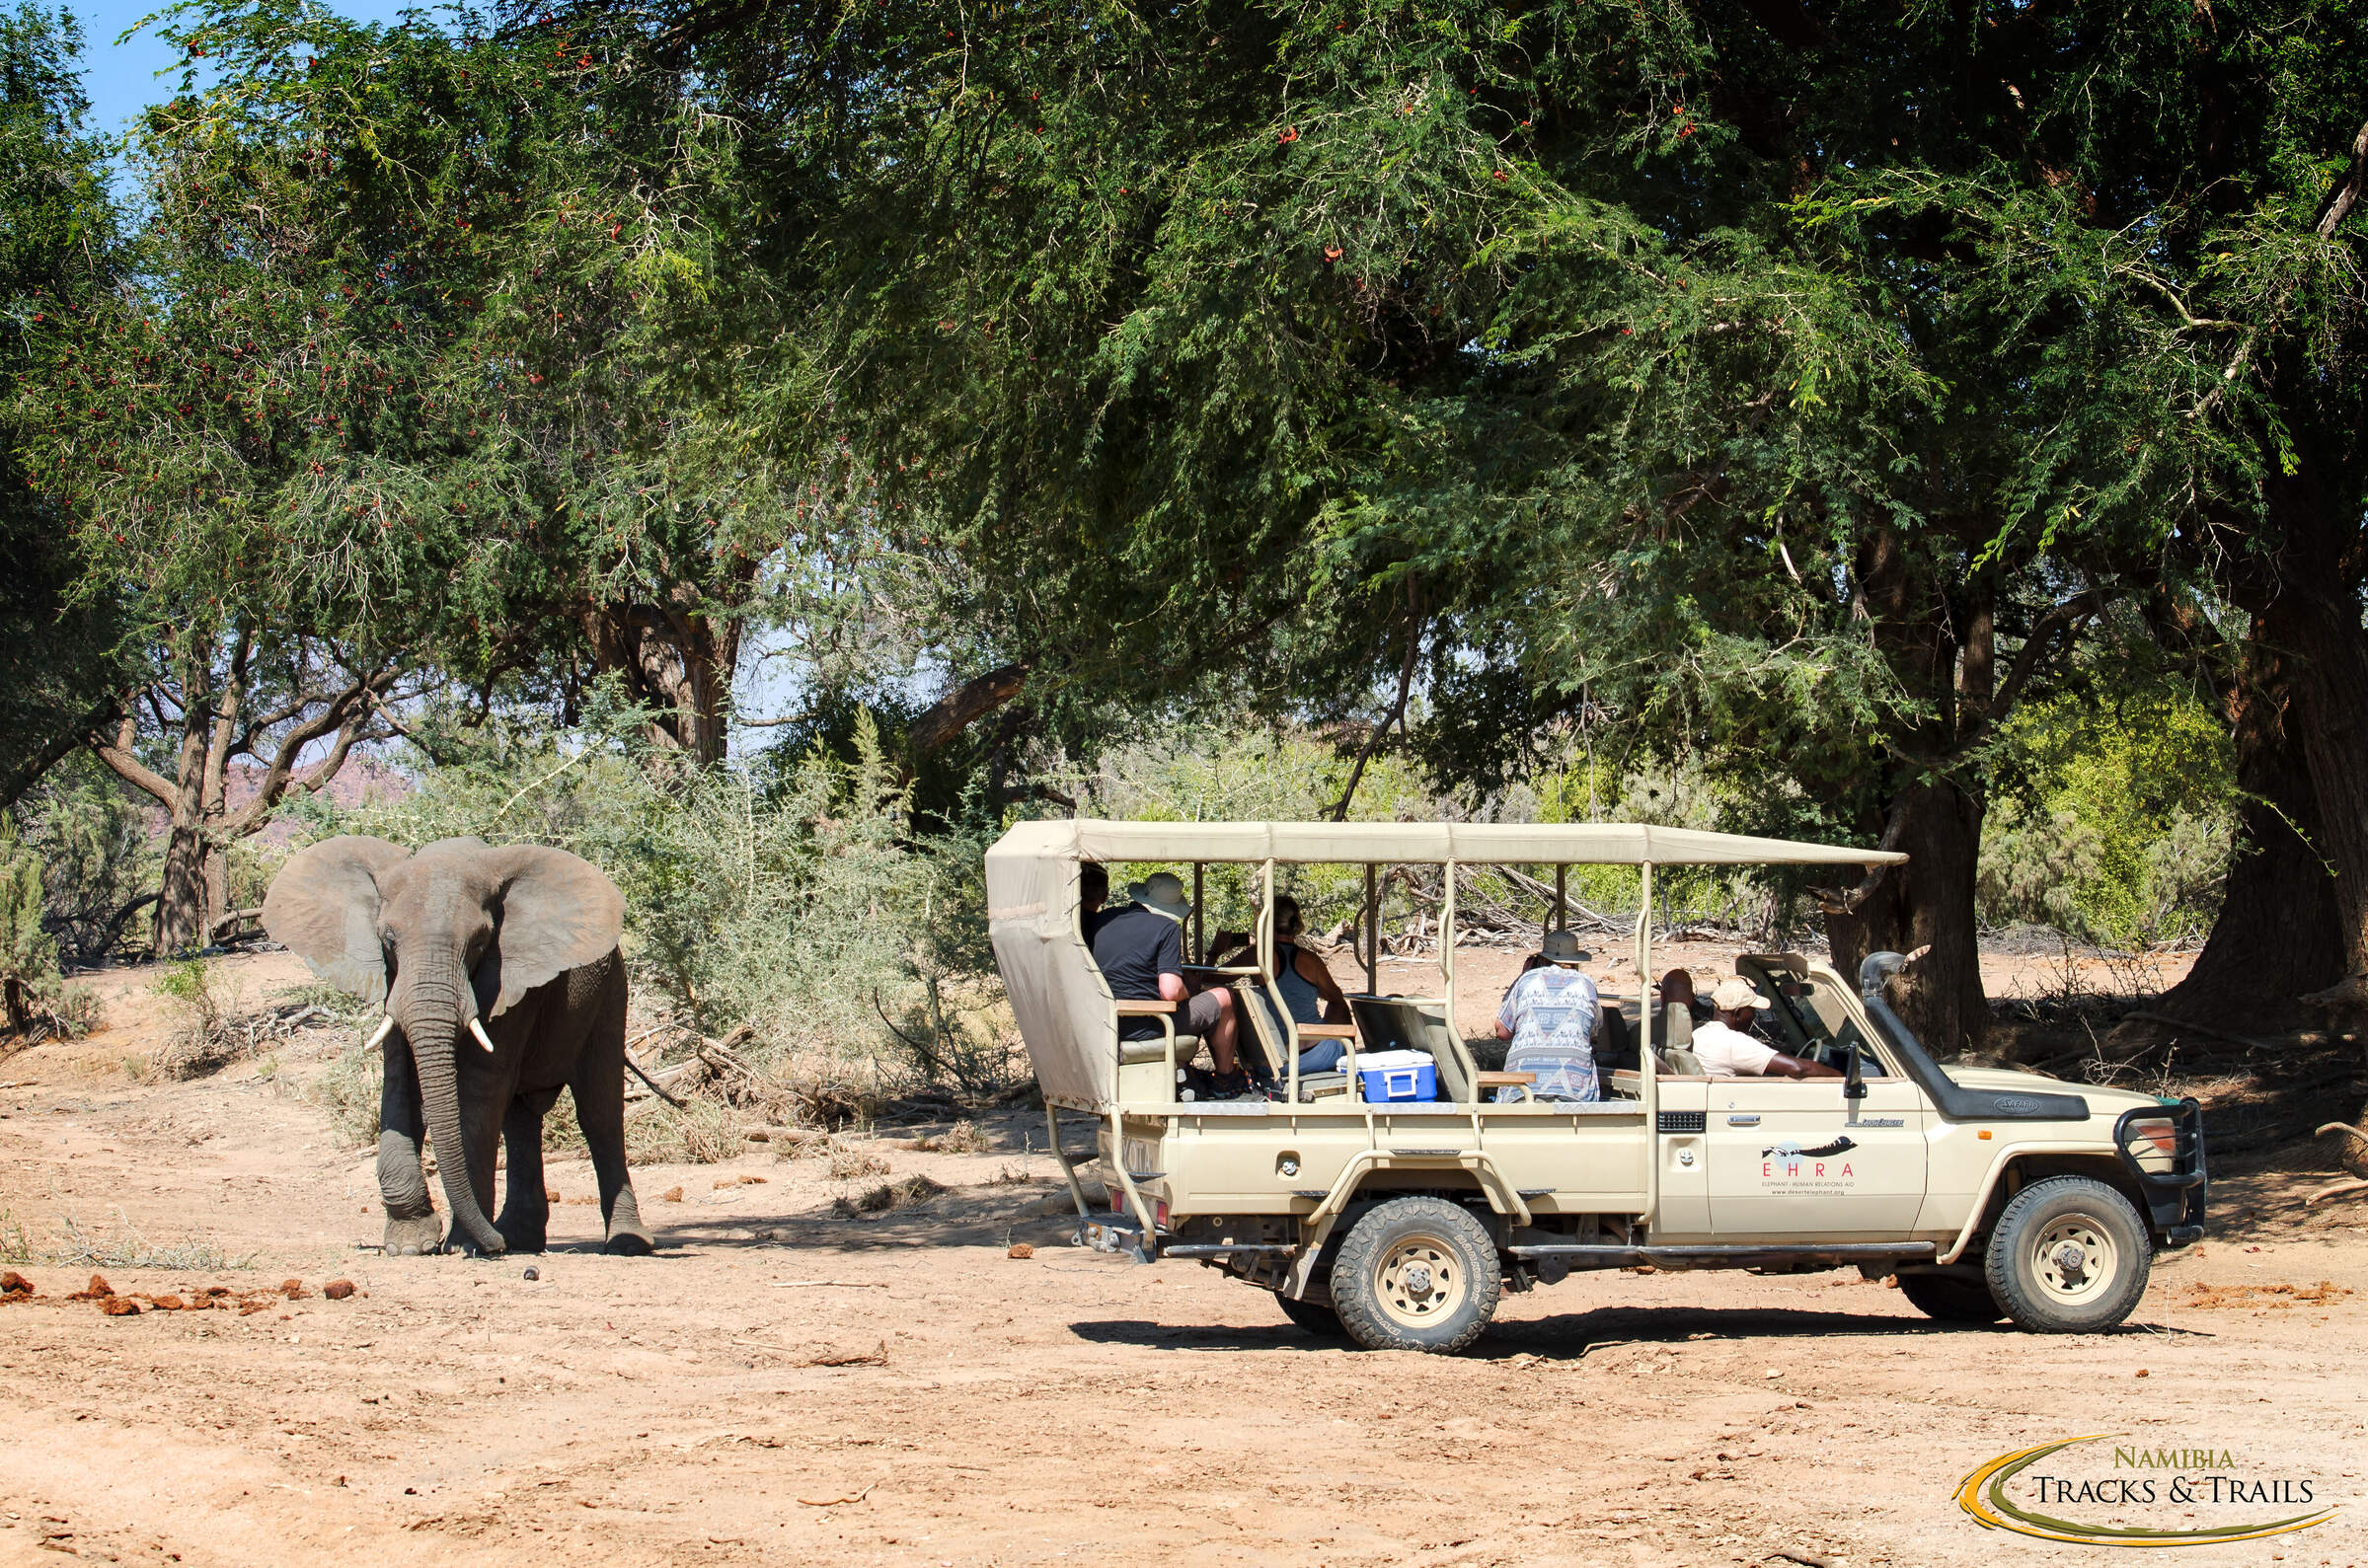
{"type": "Point", "coordinates": [1199, 1014]}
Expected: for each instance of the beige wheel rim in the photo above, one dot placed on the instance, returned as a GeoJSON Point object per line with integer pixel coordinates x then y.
{"type": "Point", "coordinates": [1419, 1282]}
{"type": "Point", "coordinates": [2073, 1260]}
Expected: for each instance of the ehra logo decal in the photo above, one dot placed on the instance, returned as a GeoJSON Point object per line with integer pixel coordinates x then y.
{"type": "Point", "coordinates": [1788, 1159]}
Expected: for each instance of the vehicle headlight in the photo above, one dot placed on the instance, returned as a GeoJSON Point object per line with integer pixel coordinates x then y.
{"type": "Point", "coordinates": [2159, 1131]}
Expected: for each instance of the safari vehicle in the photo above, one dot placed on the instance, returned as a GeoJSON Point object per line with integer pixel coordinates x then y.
{"type": "Point", "coordinates": [1990, 1194]}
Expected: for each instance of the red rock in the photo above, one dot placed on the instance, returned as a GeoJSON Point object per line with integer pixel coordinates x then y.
{"type": "Point", "coordinates": [337, 1290]}
{"type": "Point", "coordinates": [13, 1283]}
{"type": "Point", "coordinates": [293, 1289]}
{"type": "Point", "coordinates": [120, 1307]}
{"type": "Point", "coordinates": [97, 1290]}
{"type": "Point", "coordinates": [1020, 1249]}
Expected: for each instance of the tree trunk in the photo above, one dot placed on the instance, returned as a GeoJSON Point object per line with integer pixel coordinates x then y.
{"type": "Point", "coordinates": [677, 661]}
{"type": "Point", "coordinates": [2306, 615]}
{"type": "Point", "coordinates": [2278, 934]}
{"type": "Point", "coordinates": [2330, 686]}
{"type": "Point", "coordinates": [183, 912]}
{"type": "Point", "coordinates": [1928, 902]}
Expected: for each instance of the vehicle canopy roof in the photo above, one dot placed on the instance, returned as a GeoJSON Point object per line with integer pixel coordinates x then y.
{"type": "Point", "coordinates": [1061, 1003]}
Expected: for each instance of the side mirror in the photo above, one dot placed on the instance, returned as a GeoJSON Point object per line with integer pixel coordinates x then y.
{"type": "Point", "coordinates": [1854, 1084]}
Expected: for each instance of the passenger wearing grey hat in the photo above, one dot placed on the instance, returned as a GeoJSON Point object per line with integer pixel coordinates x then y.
{"type": "Point", "coordinates": [1549, 1015]}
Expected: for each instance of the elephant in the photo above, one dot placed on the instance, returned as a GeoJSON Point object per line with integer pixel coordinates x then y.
{"type": "Point", "coordinates": [501, 982]}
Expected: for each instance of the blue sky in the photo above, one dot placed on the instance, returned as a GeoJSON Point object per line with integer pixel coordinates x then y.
{"type": "Point", "coordinates": [122, 79]}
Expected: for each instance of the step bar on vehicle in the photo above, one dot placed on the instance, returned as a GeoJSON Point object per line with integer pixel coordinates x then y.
{"type": "Point", "coordinates": [1834, 1254]}
{"type": "Point", "coordinates": [1117, 1236]}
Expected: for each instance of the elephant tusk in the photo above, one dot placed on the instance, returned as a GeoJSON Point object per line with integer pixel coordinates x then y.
{"type": "Point", "coordinates": [385, 1025]}
{"type": "Point", "coordinates": [477, 1029]}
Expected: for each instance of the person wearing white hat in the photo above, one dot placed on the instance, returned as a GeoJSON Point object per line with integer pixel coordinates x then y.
{"type": "Point", "coordinates": [1139, 949]}
{"type": "Point", "coordinates": [1550, 1013]}
{"type": "Point", "coordinates": [1727, 1050]}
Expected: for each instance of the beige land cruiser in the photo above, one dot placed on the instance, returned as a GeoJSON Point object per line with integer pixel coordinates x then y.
{"type": "Point", "coordinates": [1366, 1207]}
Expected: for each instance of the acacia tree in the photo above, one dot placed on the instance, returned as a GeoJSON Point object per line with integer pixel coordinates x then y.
{"type": "Point", "coordinates": [1308, 351]}
{"type": "Point", "coordinates": [60, 228]}
{"type": "Point", "coordinates": [1795, 383]}
{"type": "Point", "coordinates": [408, 376]}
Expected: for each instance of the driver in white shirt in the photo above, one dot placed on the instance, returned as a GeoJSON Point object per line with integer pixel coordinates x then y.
{"type": "Point", "coordinates": [1727, 1050]}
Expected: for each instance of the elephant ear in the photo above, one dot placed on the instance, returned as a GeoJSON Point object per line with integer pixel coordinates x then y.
{"type": "Point", "coordinates": [558, 911]}
{"type": "Point", "coordinates": [324, 906]}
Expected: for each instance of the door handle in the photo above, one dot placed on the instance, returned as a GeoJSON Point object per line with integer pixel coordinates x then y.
{"type": "Point", "coordinates": [1751, 1120]}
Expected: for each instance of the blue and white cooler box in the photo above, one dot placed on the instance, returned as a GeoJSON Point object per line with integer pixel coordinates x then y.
{"type": "Point", "coordinates": [1398, 1074]}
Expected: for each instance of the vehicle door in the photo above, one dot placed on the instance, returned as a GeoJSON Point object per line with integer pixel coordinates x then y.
{"type": "Point", "coordinates": [1793, 1159]}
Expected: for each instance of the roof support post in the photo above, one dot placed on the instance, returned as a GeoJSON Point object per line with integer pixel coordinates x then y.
{"type": "Point", "coordinates": [1649, 1089]}
{"type": "Point", "coordinates": [1562, 909]}
{"type": "Point", "coordinates": [1200, 938]}
{"type": "Point", "coordinates": [1372, 926]}
{"type": "Point", "coordinates": [1447, 952]}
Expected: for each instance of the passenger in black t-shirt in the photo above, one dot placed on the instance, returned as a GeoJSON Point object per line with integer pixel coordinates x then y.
{"type": "Point", "coordinates": [1139, 949]}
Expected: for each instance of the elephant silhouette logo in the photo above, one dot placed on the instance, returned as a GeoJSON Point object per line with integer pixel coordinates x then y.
{"type": "Point", "coordinates": [1791, 1149]}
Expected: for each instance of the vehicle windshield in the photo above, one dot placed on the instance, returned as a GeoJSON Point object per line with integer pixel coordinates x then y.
{"type": "Point", "coordinates": [1811, 1024]}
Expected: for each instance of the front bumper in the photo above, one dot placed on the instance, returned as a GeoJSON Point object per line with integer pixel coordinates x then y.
{"type": "Point", "coordinates": [2174, 1198]}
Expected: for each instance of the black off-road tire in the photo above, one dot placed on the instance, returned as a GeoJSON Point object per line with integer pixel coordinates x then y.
{"type": "Point", "coordinates": [1311, 1318]}
{"type": "Point", "coordinates": [1950, 1298]}
{"type": "Point", "coordinates": [2027, 1261]}
{"type": "Point", "coordinates": [1416, 1274]}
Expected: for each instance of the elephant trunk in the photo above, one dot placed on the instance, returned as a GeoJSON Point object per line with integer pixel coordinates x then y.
{"type": "Point", "coordinates": [434, 1022]}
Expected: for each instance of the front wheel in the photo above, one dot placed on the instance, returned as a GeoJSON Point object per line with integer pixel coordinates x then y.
{"type": "Point", "coordinates": [1416, 1274]}
{"type": "Point", "coordinates": [2069, 1255]}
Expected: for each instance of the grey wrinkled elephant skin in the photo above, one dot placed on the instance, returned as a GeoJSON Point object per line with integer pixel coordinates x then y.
{"type": "Point", "coordinates": [519, 939]}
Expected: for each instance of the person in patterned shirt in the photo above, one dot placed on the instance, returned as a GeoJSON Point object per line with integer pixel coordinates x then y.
{"type": "Point", "coordinates": [1549, 1015]}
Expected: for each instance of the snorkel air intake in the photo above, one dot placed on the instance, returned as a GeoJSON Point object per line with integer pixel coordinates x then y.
{"type": "Point", "coordinates": [1955, 1101]}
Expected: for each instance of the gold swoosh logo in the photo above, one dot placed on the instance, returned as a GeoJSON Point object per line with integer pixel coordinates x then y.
{"type": "Point", "coordinates": [1982, 1494]}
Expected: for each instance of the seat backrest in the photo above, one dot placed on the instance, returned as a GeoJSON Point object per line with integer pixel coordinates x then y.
{"type": "Point", "coordinates": [1684, 1063]}
{"type": "Point", "coordinates": [1674, 1027]}
{"type": "Point", "coordinates": [1272, 1041]}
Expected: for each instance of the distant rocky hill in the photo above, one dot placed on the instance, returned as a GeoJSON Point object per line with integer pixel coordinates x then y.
{"type": "Point", "coordinates": [362, 779]}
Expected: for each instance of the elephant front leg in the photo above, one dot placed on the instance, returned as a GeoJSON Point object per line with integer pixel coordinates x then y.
{"type": "Point", "coordinates": [598, 1090]}
{"type": "Point", "coordinates": [526, 1207]}
{"type": "Point", "coordinates": [411, 1225]}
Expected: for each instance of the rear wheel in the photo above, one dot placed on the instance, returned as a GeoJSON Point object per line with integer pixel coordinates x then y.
{"type": "Point", "coordinates": [1950, 1298]}
{"type": "Point", "coordinates": [2069, 1255]}
{"type": "Point", "coordinates": [1416, 1274]}
{"type": "Point", "coordinates": [1312, 1316]}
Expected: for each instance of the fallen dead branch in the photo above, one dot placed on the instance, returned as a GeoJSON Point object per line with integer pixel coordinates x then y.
{"type": "Point", "coordinates": [834, 1502]}
{"type": "Point", "coordinates": [827, 1284]}
{"type": "Point", "coordinates": [850, 1358]}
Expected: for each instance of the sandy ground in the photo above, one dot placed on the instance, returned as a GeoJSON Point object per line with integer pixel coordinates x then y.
{"type": "Point", "coordinates": [781, 1384]}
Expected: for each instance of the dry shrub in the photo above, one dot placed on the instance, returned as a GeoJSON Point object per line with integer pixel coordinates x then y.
{"type": "Point", "coordinates": [962, 1138]}
{"type": "Point", "coordinates": [848, 1162]}
{"type": "Point", "coordinates": [890, 1195]}
{"type": "Point", "coordinates": [206, 1038]}
{"type": "Point", "coordinates": [349, 1089]}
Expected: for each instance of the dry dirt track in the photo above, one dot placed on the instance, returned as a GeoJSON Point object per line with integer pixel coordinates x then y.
{"type": "Point", "coordinates": [1063, 1408]}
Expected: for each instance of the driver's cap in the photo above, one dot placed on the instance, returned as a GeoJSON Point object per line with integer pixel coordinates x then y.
{"type": "Point", "coordinates": [1735, 992]}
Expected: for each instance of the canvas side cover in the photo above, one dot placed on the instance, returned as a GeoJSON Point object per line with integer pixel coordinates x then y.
{"type": "Point", "coordinates": [1058, 998]}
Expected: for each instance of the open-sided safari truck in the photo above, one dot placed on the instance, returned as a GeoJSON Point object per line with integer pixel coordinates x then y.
{"type": "Point", "coordinates": [1991, 1194]}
